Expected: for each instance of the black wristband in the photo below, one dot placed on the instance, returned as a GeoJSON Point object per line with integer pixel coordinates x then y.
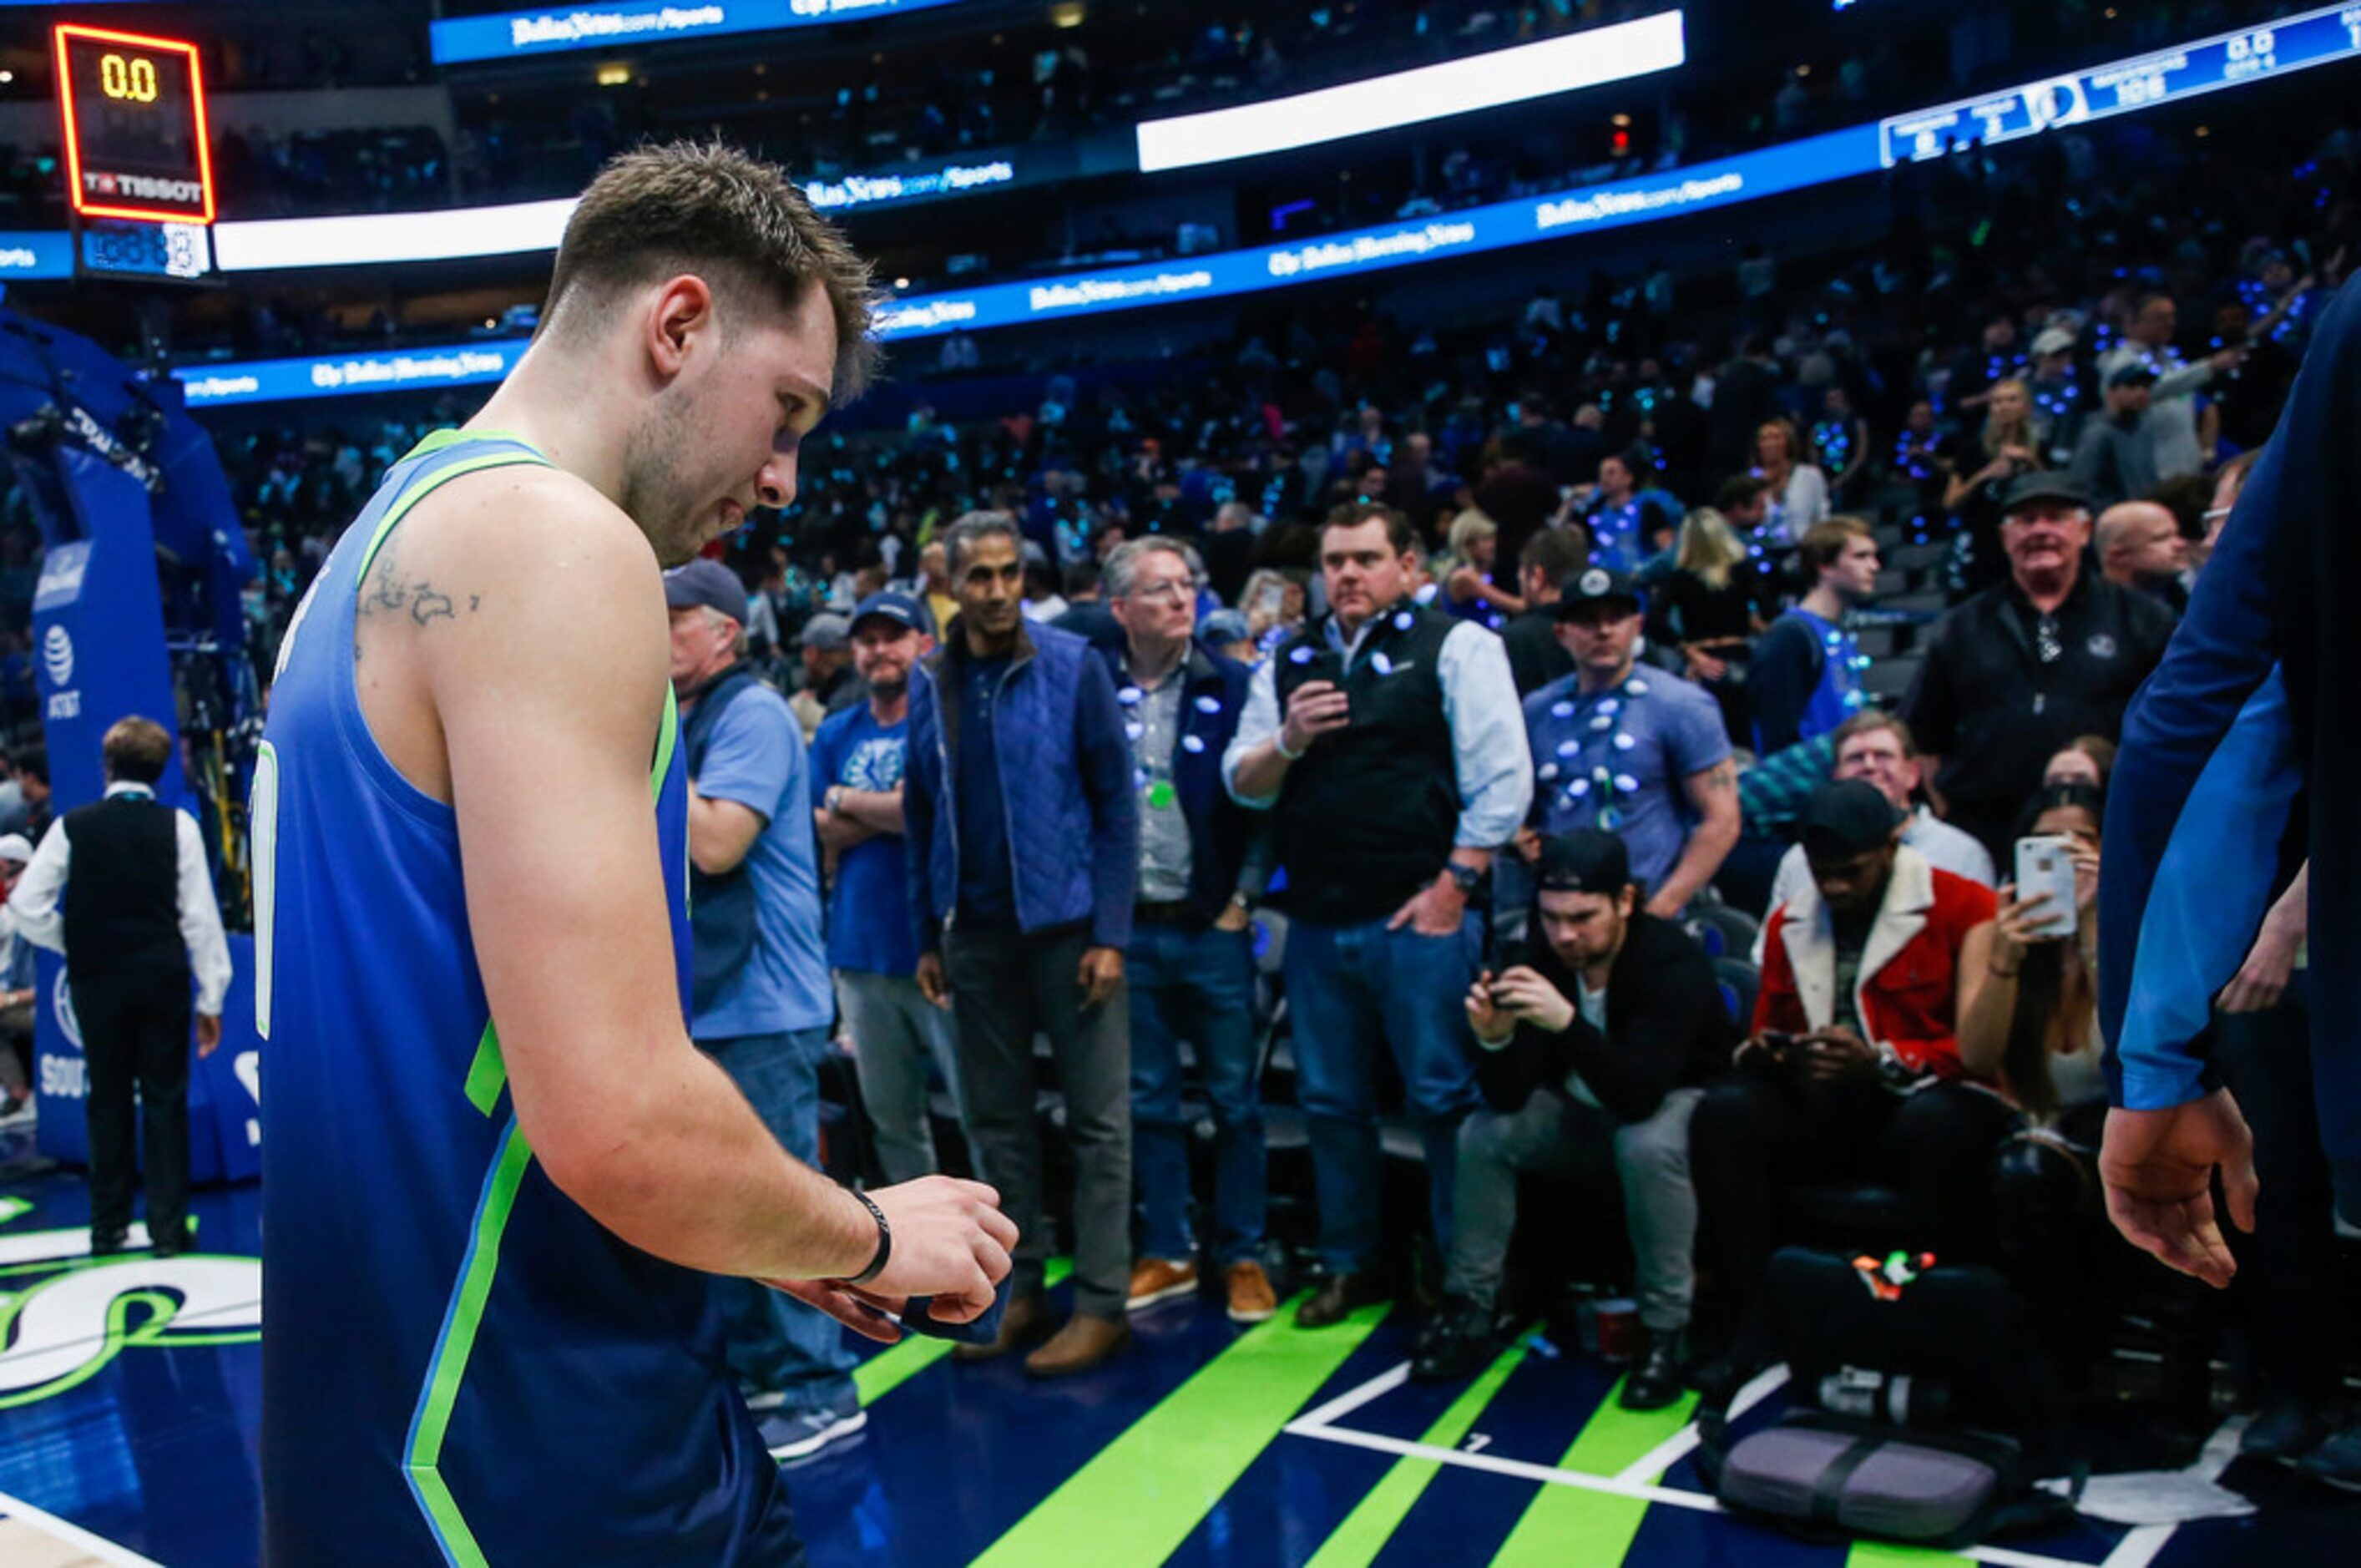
{"type": "Point", "coordinates": [885, 1240]}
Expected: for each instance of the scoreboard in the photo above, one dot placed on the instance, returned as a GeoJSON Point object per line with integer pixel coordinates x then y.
{"type": "Point", "coordinates": [134, 110]}
{"type": "Point", "coordinates": [2230, 59]}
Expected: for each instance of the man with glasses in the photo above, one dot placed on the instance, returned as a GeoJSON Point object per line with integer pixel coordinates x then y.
{"type": "Point", "coordinates": [1190, 966]}
{"type": "Point", "coordinates": [2027, 665]}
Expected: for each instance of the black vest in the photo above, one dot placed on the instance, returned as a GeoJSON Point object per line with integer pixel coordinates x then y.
{"type": "Point", "coordinates": [122, 891]}
{"type": "Point", "coordinates": [1368, 817]}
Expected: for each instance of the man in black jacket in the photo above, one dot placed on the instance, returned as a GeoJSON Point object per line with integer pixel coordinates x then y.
{"type": "Point", "coordinates": [1596, 1051]}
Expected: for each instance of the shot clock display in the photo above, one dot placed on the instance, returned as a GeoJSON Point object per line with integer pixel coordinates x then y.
{"type": "Point", "coordinates": [134, 109]}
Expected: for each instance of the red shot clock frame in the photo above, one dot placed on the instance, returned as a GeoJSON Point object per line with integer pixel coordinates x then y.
{"type": "Point", "coordinates": [133, 110]}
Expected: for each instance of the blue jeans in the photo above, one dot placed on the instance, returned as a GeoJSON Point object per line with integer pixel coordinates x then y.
{"type": "Point", "coordinates": [1348, 989]}
{"type": "Point", "coordinates": [1198, 986]}
{"type": "Point", "coordinates": [777, 1343]}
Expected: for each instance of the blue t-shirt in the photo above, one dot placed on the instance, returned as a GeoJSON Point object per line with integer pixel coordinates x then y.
{"type": "Point", "coordinates": [987, 878]}
{"type": "Point", "coordinates": [869, 908]}
{"type": "Point", "coordinates": [757, 758]}
{"type": "Point", "coordinates": [1618, 761]}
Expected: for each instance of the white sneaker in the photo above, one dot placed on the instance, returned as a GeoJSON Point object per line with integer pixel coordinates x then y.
{"type": "Point", "coordinates": [803, 1433]}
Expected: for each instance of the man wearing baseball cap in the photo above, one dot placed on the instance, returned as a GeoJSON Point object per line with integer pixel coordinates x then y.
{"type": "Point", "coordinates": [2116, 458]}
{"type": "Point", "coordinates": [1641, 755]}
{"type": "Point", "coordinates": [899, 1038]}
{"type": "Point", "coordinates": [830, 683]}
{"type": "Point", "coordinates": [1854, 1068]}
{"type": "Point", "coordinates": [1594, 1053]}
{"type": "Point", "coordinates": [759, 1003]}
{"type": "Point", "coordinates": [2016, 671]}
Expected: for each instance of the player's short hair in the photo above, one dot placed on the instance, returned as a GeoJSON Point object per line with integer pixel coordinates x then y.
{"type": "Point", "coordinates": [136, 751]}
{"type": "Point", "coordinates": [736, 222]}
{"type": "Point", "coordinates": [1824, 542]}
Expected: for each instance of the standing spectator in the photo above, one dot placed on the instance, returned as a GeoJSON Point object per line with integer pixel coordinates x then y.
{"type": "Point", "coordinates": [831, 684]}
{"type": "Point", "coordinates": [1191, 968]}
{"type": "Point", "coordinates": [859, 761]}
{"type": "Point", "coordinates": [1646, 757]}
{"type": "Point", "coordinates": [1918, 457]}
{"type": "Point", "coordinates": [759, 1004]}
{"type": "Point", "coordinates": [1798, 490]}
{"type": "Point", "coordinates": [18, 987]}
{"type": "Point", "coordinates": [1023, 846]}
{"type": "Point", "coordinates": [1536, 657]}
{"type": "Point", "coordinates": [1745, 394]}
{"type": "Point", "coordinates": [1594, 1053]}
{"type": "Point", "coordinates": [1806, 676]}
{"type": "Point", "coordinates": [33, 783]}
{"type": "Point", "coordinates": [2022, 668]}
{"type": "Point", "coordinates": [934, 587]}
{"type": "Point", "coordinates": [2116, 457]}
{"type": "Point", "coordinates": [2148, 342]}
{"type": "Point", "coordinates": [1978, 495]}
{"type": "Point", "coordinates": [1386, 737]}
{"type": "Point", "coordinates": [1468, 592]}
{"type": "Point", "coordinates": [1855, 1064]}
{"type": "Point", "coordinates": [1621, 514]}
{"type": "Point", "coordinates": [1711, 606]}
{"type": "Point", "coordinates": [1876, 748]}
{"type": "Point", "coordinates": [139, 921]}
{"type": "Point", "coordinates": [2140, 547]}
{"type": "Point", "coordinates": [1839, 440]}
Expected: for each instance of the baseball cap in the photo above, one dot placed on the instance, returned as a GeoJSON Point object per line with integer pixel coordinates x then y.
{"type": "Point", "coordinates": [16, 847]}
{"type": "Point", "coordinates": [1594, 584]}
{"type": "Point", "coordinates": [2133, 375]}
{"type": "Point", "coordinates": [706, 582]}
{"type": "Point", "coordinates": [899, 609]}
{"type": "Point", "coordinates": [828, 631]}
{"type": "Point", "coordinates": [2046, 486]}
{"type": "Point", "coordinates": [2054, 340]}
{"type": "Point", "coordinates": [1848, 817]}
{"type": "Point", "coordinates": [1585, 860]}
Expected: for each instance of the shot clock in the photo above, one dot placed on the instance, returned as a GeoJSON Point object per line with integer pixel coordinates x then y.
{"type": "Point", "coordinates": [134, 110]}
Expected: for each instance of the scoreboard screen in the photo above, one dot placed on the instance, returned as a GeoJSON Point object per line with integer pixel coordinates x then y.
{"type": "Point", "coordinates": [134, 110]}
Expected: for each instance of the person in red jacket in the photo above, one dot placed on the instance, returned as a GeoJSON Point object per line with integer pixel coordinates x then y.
{"type": "Point", "coordinates": [1854, 1070]}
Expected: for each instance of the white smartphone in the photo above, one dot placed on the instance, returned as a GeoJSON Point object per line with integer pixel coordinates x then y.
{"type": "Point", "coordinates": [2045, 865]}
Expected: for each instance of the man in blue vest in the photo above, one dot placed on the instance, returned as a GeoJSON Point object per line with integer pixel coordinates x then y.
{"type": "Point", "coordinates": [760, 1005]}
{"type": "Point", "coordinates": [1806, 676]}
{"type": "Point", "coordinates": [1191, 962]}
{"type": "Point", "coordinates": [1023, 843]}
{"type": "Point", "coordinates": [1387, 740]}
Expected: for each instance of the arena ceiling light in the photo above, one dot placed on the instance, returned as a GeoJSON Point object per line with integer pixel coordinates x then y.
{"type": "Point", "coordinates": [1588, 58]}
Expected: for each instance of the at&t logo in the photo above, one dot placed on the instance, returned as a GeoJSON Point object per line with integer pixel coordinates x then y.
{"type": "Point", "coordinates": [57, 660]}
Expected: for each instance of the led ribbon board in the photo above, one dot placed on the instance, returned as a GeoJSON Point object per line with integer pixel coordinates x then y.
{"type": "Point", "coordinates": [513, 35]}
{"type": "Point", "coordinates": [1588, 58]}
{"type": "Point", "coordinates": [134, 114]}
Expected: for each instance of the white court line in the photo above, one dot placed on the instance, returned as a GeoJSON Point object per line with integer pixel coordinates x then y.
{"type": "Point", "coordinates": [1344, 1404]}
{"type": "Point", "coordinates": [1679, 1446]}
{"type": "Point", "coordinates": [73, 1535]}
{"type": "Point", "coordinates": [2138, 1549]}
{"type": "Point", "coordinates": [49, 1246]}
{"type": "Point", "coordinates": [1700, 1502]}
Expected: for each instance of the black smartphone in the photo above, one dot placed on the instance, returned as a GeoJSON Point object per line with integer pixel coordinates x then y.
{"type": "Point", "coordinates": [1327, 665]}
{"type": "Point", "coordinates": [1778, 1044]}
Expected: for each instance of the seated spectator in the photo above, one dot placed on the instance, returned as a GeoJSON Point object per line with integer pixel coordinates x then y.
{"type": "Point", "coordinates": [2086, 759]}
{"type": "Point", "coordinates": [1799, 492]}
{"type": "Point", "coordinates": [2017, 671]}
{"type": "Point", "coordinates": [1983, 468]}
{"type": "Point", "coordinates": [1876, 747]}
{"type": "Point", "coordinates": [1536, 657]}
{"type": "Point", "coordinates": [1468, 591]}
{"type": "Point", "coordinates": [1593, 1056]}
{"type": "Point", "coordinates": [1805, 679]}
{"type": "Point", "coordinates": [1710, 606]}
{"type": "Point", "coordinates": [1645, 757]}
{"type": "Point", "coordinates": [2140, 547]}
{"type": "Point", "coordinates": [1854, 1068]}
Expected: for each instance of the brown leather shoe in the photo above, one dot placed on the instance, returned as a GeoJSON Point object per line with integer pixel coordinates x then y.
{"type": "Point", "coordinates": [1155, 1280]}
{"type": "Point", "coordinates": [1025, 1321]}
{"type": "Point", "coordinates": [1085, 1341]}
{"type": "Point", "coordinates": [1252, 1300]}
{"type": "Point", "coordinates": [1339, 1297]}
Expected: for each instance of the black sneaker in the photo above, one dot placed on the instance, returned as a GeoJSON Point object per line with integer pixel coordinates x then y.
{"type": "Point", "coordinates": [1657, 1380]}
{"type": "Point", "coordinates": [2337, 1460]}
{"type": "Point", "coordinates": [1462, 1343]}
{"type": "Point", "coordinates": [2288, 1427]}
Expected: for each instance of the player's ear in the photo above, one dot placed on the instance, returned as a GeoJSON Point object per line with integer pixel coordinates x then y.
{"type": "Point", "coordinates": [680, 313]}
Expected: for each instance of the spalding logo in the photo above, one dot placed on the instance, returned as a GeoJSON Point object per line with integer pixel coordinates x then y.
{"type": "Point", "coordinates": [57, 655]}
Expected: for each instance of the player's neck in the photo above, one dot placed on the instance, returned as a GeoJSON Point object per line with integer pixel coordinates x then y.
{"type": "Point", "coordinates": [545, 403]}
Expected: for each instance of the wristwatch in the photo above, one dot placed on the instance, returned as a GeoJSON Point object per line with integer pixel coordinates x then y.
{"type": "Point", "coordinates": [835, 793]}
{"type": "Point", "coordinates": [1468, 878]}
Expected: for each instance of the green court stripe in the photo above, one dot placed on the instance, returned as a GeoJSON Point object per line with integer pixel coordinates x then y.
{"type": "Point", "coordinates": [1133, 1504]}
{"type": "Point", "coordinates": [890, 1368]}
{"type": "Point", "coordinates": [1569, 1524]}
{"type": "Point", "coordinates": [1375, 1519]}
{"type": "Point", "coordinates": [1889, 1554]}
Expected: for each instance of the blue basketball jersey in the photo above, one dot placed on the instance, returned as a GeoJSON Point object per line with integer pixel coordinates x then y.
{"type": "Point", "coordinates": [458, 1362]}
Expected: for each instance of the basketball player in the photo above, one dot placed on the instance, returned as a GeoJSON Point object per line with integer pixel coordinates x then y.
{"type": "Point", "coordinates": [495, 1162]}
